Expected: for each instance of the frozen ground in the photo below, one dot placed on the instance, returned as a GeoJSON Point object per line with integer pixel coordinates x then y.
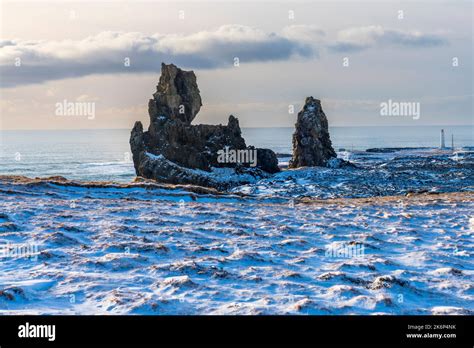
{"type": "Point", "coordinates": [148, 251]}
{"type": "Point", "coordinates": [310, 241]}
{"type": "Point", "coordinates": [383, 173]}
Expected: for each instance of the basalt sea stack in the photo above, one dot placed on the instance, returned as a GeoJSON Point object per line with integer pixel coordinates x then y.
{"type": "Point", "coordinates": [176, 152]}
{"type": "Point", "coordinates": [311, 143]}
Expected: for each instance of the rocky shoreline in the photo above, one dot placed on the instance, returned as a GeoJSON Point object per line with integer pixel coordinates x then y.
{"type": "Point", "coordinates": [175, 151]}
{"type": "Point", "coordinates": [177, 190]}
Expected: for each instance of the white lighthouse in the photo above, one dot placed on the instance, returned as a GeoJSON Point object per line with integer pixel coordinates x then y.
{"type": "Point", "coordinates": [441, 140]}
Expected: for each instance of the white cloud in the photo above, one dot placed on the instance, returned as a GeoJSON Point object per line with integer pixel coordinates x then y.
{"type": "Point", "coordinates": [108, 52]}
{"type": "Point", "coordinates": [359, 38]}
{"type": "Point", "coordinates": [305, 33]}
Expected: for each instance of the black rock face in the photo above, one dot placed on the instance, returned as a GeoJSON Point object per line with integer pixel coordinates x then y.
{"type": "Point", "coordinates": [177, 95]}
{"type": "Point", "coordinates": [311, 143]}
{"type": "Point", "coordinates": [172, 145]}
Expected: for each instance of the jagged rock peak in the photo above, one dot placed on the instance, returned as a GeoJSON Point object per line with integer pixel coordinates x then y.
{"type": "Point", "coordinates": [173, 150]}
{"type": "Point", "coordinates": [177, 95]}
{"type": "Point", "coordinates": [311, 143]}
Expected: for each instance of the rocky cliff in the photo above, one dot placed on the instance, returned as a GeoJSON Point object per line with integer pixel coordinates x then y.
{"type": "Point", "coordinates": [177, 152]}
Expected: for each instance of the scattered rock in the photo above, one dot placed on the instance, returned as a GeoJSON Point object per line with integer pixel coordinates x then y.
{"type": "Point", "coordinates": [335, 163]}
{"type": "Point", "coordinates": [179, 282]}
{"type": "Point", "coordinates": [386, 281]}
{"type": "Point", "coordinates": [12, 294]}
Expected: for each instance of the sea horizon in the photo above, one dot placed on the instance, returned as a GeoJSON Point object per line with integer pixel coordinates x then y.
{"type": "Point", "coordinates": [104, 154]}
{"type": "Point", "coordinates": [256, 127]}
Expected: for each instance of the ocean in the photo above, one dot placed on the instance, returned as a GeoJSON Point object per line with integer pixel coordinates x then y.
{"type": "Point", "coordinates": [104, 155]}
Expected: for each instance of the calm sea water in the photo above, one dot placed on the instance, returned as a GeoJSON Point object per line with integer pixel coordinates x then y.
{"type": "Point", "coordinates": [105, 154]}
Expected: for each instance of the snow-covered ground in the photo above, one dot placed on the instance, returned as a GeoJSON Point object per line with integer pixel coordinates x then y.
{"type": "Point", "coordinates": [376, 174]}
{"type": "Point", "coordinates": [129, 251]}
{"type": "Point", "coordinates": [287, 248]}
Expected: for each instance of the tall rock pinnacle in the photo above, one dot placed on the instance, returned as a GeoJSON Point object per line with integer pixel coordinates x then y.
{"type": "Point", "coordinates": [172, 147]}
{"type": "Point", "coordinates": [177, 95]}
{"type": "Point", "coordinates": [311, 143]}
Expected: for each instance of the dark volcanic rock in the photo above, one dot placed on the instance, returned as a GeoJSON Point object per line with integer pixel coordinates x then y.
{"type": "Point", "coordinates": [163, 170]}
{"type": "Point", "coordinates": [173, 150]}
{"type": "Point", "coordinates": [177, 95]}
{"type": "Point", "coordinates": [311, 143]}
{"type": "Point", "coordinates": [267, 160]}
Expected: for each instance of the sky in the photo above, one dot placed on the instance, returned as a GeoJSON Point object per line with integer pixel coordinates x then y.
{"type": "Point", "coordinates": [352, 55]}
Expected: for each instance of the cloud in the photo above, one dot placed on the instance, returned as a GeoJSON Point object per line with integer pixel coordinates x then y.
{"type": "Point", "coordinates": [360, 38]}
{"type": "Point", "coordinates": [107, 52]}
{"type": "Point", "coordinates": [304, 33]}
